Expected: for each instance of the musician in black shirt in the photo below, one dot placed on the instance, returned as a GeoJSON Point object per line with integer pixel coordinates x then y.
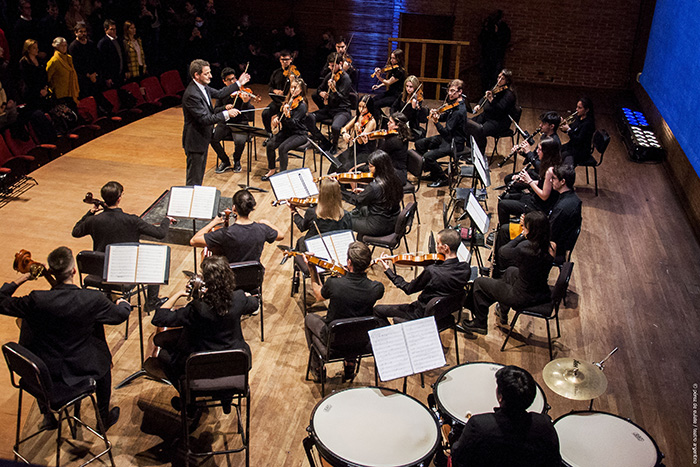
{"type": "Point", "coordinates": [497, 107]}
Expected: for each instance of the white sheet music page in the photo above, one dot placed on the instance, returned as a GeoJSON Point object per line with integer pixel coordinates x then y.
{"type": "Point", "coordinates": [477, 213]}
{"type": "Point", "coordinates": [203, 202]}
{"type": "Point", "coordinates": [152, 261]}
{"type": "Point", "coordinates": [480, 163]}
{"type": "Point", "coordinates": [390, 352]}
{"type": "Point", "coordinates": [335, 243]}
{"type": "Point", "coordinates": [297, 183]}
{"type": "Point", "coordinates": [121, 268]}
{"type": "Point", "coordinates": [423, 342]}
{"type": "Point", "coordinates": [180, 201]}
{"type": "Point", "coordinates": [463, 254]}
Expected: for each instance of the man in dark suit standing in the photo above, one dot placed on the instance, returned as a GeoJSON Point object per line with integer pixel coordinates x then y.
{"type": "Point", "coordinates": [200, 117]}
{"type": "Point", "coordinates": [64, 327]}
{"type": "Point", "coordinates": [111, 56]}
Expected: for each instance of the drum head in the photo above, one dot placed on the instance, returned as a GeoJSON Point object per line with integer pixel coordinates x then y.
{"type": "Point", "coordinates": [374, 427]}
{"type": "Point", "coordinates": [471, 387]}
{"type": "Point", "coordinates": [599, 438]}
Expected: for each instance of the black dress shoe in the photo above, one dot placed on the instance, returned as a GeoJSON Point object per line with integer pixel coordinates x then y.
{"type": "Point", "coordinates": [439, 183]}
{"type": "Point", "coordinates": [470, 326]}
{"type": "Point", "coordinates": [237, 167]}
{"type": "Point", "coordinates": [223, 167]}
{"type": "Point", "coordinates": [112, 418]}
{"type": "Point", "coordinates": [502, 317]}
{"type": "Point", "coordinates": [49, 422]}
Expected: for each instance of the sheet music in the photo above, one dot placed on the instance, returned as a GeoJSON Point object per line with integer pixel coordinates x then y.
{"type": "Point", "coordinates": [423, 342]}
{"type": "Point", "coordinates": [337, 243]}
{"type": "Point", "coordinates": [477, 213]}
{"type": "Point", "coordinates": [203, 202]}
{"type": "Point", "coordinates": [463, 253]}
{"type": "Point", "coordinates": [151, 265]}
{"type": "Point", "coordinates": [480, 163]}
{"type": "Point", "coordinates": [180, 201]}
{"type": "Point", "coordinates": [121, 267]}
{"type": "Point", "coordinates": [297, 183]}
{"type": "Point", "coordinates": [390, 352]}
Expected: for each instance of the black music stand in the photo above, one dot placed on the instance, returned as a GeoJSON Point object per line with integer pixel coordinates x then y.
{"type": "Point", "coordinates": [330, 158]}
{"type": "Point", "coordinates": [250, 132]}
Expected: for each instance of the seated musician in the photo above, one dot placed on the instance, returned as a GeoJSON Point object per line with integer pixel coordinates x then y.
{"type": "Point", "coordinates": [63, 327]}
{"type": "Point", "coordinates": [524, 283]}
{"type": "Point", "coordinates": [391, 79]}
{"type": "Point", "coordinates": [341, 48]}
{"type": "Point", "coordinates": [222, 131]}
{"type": "Point", "coordinates": [497, 107]}
{"type": "Point", "coordinates": [336, 90]}
{"type": "Point", "coordinates": [441, 279]}
{"type": "Point", "coordinates": [549, 123]}
{"type": "Point", "coordinates": [541, 196]}
{"type": "Point", "coordinates": [106, 223]}
{"type": "Point", "coordinates": [564, 219]}
{"type": "Point", "coordinates": [292, 130]}
{"type": "Point", "coordinates": [410, 103]}
{"type": "Point", "coordinates": [278, 88]}
{"type": "Point", "coordinates": [396, 144]}
{"type": "Point", "coordinates": [510, 435]}
{"type": "Point", "coordinates": [580, 133]}
{"type": "Point", "coordinates": [357, 153]}
{"type": "Point", "coordinates": [210, 322]}
{"type": "Point", "coordinates": [244, 239]}
{"type": "Point", "coordinates": [351, 295]}
{"type": "Point", "coordinates": [435, 147]}
{"type": "Point", "coordinates": [379, 203]}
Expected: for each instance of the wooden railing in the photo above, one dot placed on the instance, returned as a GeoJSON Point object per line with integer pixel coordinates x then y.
{"type": "Point", "coordinates": [437, 78]}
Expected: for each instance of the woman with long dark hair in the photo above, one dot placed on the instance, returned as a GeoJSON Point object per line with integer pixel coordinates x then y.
{"type": "Point", "coordinates": [541, 196]}
{"type": "Point", "coordinates": [525, 282]}
{"type": "Point", "coordinates": [379, 203]}
{"type": "Point", "coordinates": [359, 147]}
{"type": "Point", "coordinates": [390, 80]}
{"type": "Point", "coordinates": [396, 144]}
{"type": "Point", "coordinates": [210, 322]}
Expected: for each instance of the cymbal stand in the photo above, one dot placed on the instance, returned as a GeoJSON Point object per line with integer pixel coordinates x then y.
{"type": "Point", "coordinates": [601, 365]}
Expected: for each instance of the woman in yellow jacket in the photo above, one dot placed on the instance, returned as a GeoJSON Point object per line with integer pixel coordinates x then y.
{"type": "Point", "coordinates": [133, 48]}
{"type": "Point", "coordinates": [62, 77]}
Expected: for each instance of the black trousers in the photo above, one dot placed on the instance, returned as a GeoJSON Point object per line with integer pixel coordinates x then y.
{"type": "Point", "coordinates": [283, 143]}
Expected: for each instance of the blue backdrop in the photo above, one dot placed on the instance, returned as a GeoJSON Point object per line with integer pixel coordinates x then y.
{"type": "Point", "coordinates": [671, 73]}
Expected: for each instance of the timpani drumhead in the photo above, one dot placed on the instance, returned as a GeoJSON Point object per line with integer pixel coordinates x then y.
{"type": "Point", "coordinates": [471, 387]}
{"type": "Point", "coordinates": [374, 427]}
{"type": "Point", "coordinates": [602, 439]}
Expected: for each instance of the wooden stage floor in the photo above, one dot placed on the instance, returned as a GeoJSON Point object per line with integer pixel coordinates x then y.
{"type": "Point", "coordinates": [635, 285]}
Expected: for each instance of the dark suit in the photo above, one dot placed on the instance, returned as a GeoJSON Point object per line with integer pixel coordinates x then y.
{"type": "Point", "coordinates": [512, 439]}
{"type": "Point", "coordinates": [63, 327]}
{"type": "Point", "coordinates": [199, 127]}
{"type": "Point", "coordinates": [111, 60]}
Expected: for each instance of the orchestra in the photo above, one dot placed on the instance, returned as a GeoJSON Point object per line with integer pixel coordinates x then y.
{"type": "Point", "coordinates": [372, 158]}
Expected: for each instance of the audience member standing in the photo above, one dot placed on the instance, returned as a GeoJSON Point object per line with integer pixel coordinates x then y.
{"type": "Point", "coordinates": [111, 56]}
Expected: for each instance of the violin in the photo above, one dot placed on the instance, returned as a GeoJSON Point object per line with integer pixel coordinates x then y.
{"type": "Point", "coordinates": [381, 134]}
{"type": "Point", "coordinates": [291, 105]}
{"type": "Point", "coordinates": [349, 177]}
{"type": "Point", "coordinates": [89, 199]}
{"type": "Point", "coordinates": [298, 202]}
{"type": "Point", "coordinates": [332, 267]}
{"type": "Point", "coordinates": [412, 260]}
{"type": "Point", "coordinates": [24, 263]}
{"type": "Point", "coordinates": [435, 113]}
{"type": "Point", "coordinates": [246, 92]}
{"type": "Point", "coordinates": [331, 84]}
{"type": "Point", "coordinates": [226, 216]}
{"type": "Point", "coordinates": [377, 74]}
{"type": "Point", "coordinates": [292, 72]}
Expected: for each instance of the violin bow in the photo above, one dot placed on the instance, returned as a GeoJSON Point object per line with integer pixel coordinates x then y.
{"type": "Point", "coordinates": [235, 99]}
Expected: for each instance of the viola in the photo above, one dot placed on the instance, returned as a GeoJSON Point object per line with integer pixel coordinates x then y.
{"type": "Point", "coordinates": [246, 92]}
{"type": "Point", "coordinates": [349, 177]}
{"type": "Point", "coordinates": [89, 199]}
{"type": "Point", "coordinates": [227, 216]}
{"type": "Point", "coordinates": [291, 72]}
{"type": "Point", "coordinates": [332, 267]}
{"type": "Point", "coordinates": [298, 202]}
{"type": "Point", "coordinates": [291, 105]}
{"type": "Point", "coordinates": [384, 70]}
{"type": "Point", "coordinates": [413, 260]}
{"type": "Point", "coordinates": [24, 263]}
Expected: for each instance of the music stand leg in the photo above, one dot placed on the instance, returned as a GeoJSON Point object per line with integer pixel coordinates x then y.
{"type": "Point", "coordinates": [247, 185]}
{"type": "Point", "coordinates": [141, 371]}
{"type": "Point", "coordinates": [194, 249]}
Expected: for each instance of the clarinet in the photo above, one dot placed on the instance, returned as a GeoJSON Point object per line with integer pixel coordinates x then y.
{"type": "Point", "coordinates": [513, 180]}
{"type": "Point", "coordinates": [529, 138]}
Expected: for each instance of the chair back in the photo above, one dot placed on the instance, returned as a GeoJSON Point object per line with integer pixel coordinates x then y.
{"type": "Point", "coordinates": [441, 307]}
{"type": "Point", "coordinates": [171, 82]}
{"type": "Point", "coordinates": [414, 163]}
{"type": "Point", "coordinates": [249, 275]}
{"type": "Point", "coordinates": [87, 109]}
{"type": "Point", "coordinates": [90, 263]}
{"type": "Point", "coordinates": [404, 222]}
{"type": "Point", "coordinates": [216, 371]}
{"type": "Point", "coordinates": [135, 91]}
{"type": "Point", "coordinates": [152, 89]}
{"type": "Point", "coordinates": [517, 113]}
{"type": "Point", "coordinates": [601, 139]}
{"type": "Point", "coordinates": [17, 146]}
{"type": "Point", "coordinates": [349, 337]}
{"type": "Point", "coordinates": [34, 376]}
{"type": "Point", "coordinates": [562, 284]}
{"type": "Point", "coordinates": [113, 98]}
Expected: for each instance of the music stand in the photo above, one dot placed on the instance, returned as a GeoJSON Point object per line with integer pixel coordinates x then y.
{"type": "Point", "coordinates": [480, 221]}
{"type": "Point", "coordinates": [118, 258]}
{"type": "Point", "coordinates": [330, 158]}
{"type": "Point", "coordinates": [250, 132]}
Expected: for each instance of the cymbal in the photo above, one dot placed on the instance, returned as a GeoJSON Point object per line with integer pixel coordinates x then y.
{"type": "Point", "coordinates": [574, 379]}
